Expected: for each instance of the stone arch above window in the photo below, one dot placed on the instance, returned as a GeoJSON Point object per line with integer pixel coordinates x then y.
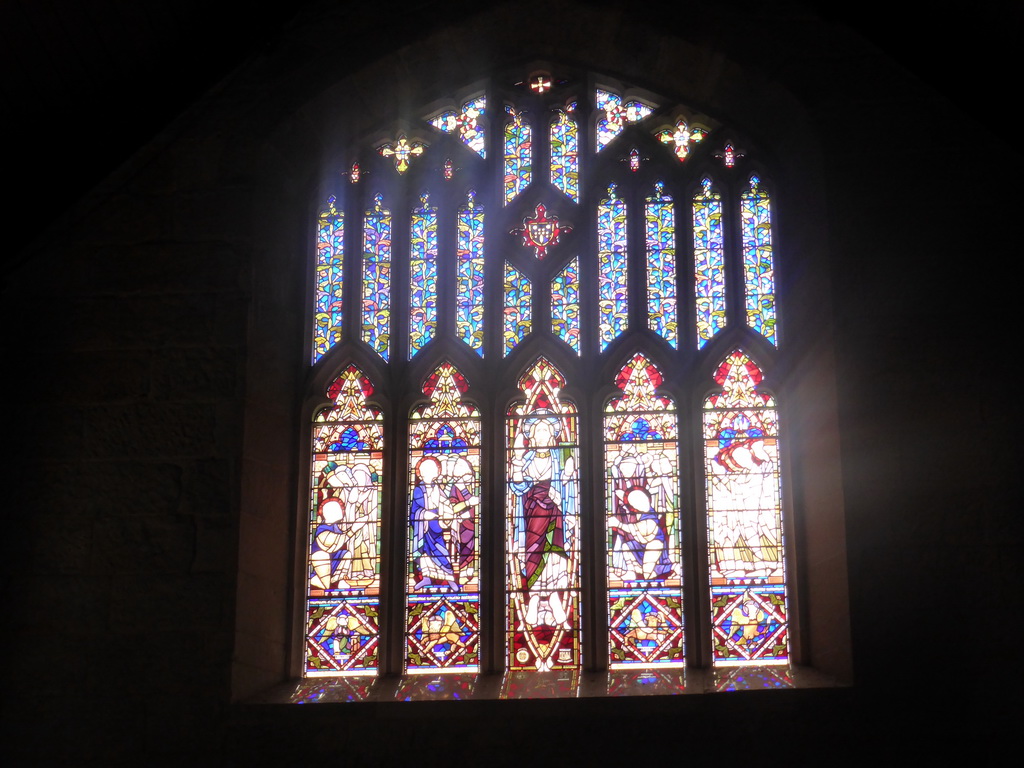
{"type": "Point", "coordinates": [560, 307]}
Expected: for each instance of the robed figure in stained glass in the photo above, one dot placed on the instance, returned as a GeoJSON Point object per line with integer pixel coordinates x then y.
{"type": "Point", "coordinates": [543, 525]}
{"type": "Point", "coordinates": [641, 536]}
{"type": "Point", "coordinates": [344, 543]}
{"type": "Point", "coordinates": [745, 533]}
{"type": "Point", "coordinates": [442, 580]}
{"type": "Point", "coordinates": [644, 562]}
{"type": "Point", "coordinates": [432, 523]}
{"type": "Point", "coordinates": [540, 477]}
{"type": "Point", "coordinates": [543, 477]}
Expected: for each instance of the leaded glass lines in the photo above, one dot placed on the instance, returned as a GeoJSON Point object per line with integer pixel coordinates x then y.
{"type": "Point", "coordinates": [565, 169]}
{"type": "Point", "coordinates": [746, 545]}
{"type": "Point", "coordinates": [660, 231]}
{"type": "Point", "coordinates": [614, 115]}
{"type": "Point", "coordinates": [565, 305]}
{"type": "Point", "coordinates": [643, 539]}
{"type": "Point", "coordinates": [467, 124]}
{"type": "Point", "coordinates": [542, 526]}
{"type": "Point", "coordinates": [681, 137]}
{"type": "Point", "coordinates": [577, 250]}
{"type": "Point", "coordinates": [442, 616]}
{"type": "Point", "coordinates": [422, 276]}
{"type": "Point", "coordinates": [518, 317]}
{"type": "Point", "coordinates": [328, 284]}
{"type": "Point", "coordinates": [343, 566]}
{"type": "Point", "coordinates": [518, 155]}
{"type": "Point", "coordinates": [709, 263]}
{"type": "Point", "coordinates": [469, 317]}
{"type": "Point", "coordinates": [376, 310]}
{"type": "Point", "coordinates": [613, 295]}
{"type": "Point", "coordinates": [758, 271]}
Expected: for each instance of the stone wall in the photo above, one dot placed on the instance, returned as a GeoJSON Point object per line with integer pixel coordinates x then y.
{"type": "Point", "coordinates": [155, 376]}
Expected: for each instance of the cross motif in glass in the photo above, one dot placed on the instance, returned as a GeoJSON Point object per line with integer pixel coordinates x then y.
{"type": "Point", "coordinates": [729, 155]}
{"type": "Point", "coordinates": [403, 151]}
{"type": "Point", "coordinates": [540, 83]}
{"type": "Point", "coordinates": [682, 138]}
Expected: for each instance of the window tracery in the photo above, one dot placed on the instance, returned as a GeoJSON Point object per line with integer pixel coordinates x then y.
{"type": "Point", "coordinates": [602, 284]}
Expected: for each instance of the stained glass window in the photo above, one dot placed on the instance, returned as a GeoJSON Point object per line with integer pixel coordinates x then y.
{"type": "Point", "coordinates": [403, 151]}
{"type": "Point", "coordinates": [645, 574]}
{"type": "Point", "coordinates": [542, 525]}
{"type": "Point", "coordinates": [614, 115]}
{"type": "Point", "coordinates": [469, 318]}
{"type": "Point", "coordinates": [422, 276]}
{"type": "Point", "coordinates": [343, 573]}
{"type": "Point", "coordinates": [565, 169]}
{"type": "Point", "coordinates": [709, 262]}
{"type": "Point", "coordinates": [682, 138]}
{"type": "Point", "coordinates": [565, 305]}
{"type": "Point", "coordinates": [613, 295]}
{"type": "Point", "coordinates": [562, 256]}
{"type": "Point", "coordinates": [442, 616]}
{"type": "Point", "coordinates": [518, 155]}
{"type": "Point", "coordinates": [330, 258]}
{"type": "Point", "coordinates": [467, 123]}
{"type": "Point", "coordinates": [758, 273]}
{"type": "Point", "coordinates": [518, 307]}
{"type": "Point", "coordinates": [744, 511]}
{"type": "Point", "coordinates": [377, 277]}
{"type": "Point", "coordinates": [660, 229]}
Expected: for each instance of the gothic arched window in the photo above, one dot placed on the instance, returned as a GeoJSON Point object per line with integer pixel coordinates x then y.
{"type": "Point", "coordinates": [546, 309]}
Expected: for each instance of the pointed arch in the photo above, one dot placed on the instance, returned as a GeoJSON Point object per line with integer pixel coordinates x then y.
{"type": "Point", "coordinates": [708, 262]}
{"type": "Point", "coordinates": [469, 310]}
{"type": "Point", "coordinates": [542, 525]}
{"type": "Point", "coordinates": [376, 288]}
{"type": "Point", "coordinates": [612, 249]}
{"type": "Point", "coordinates": [594, 297]}
{"type": "Point", "coordinates": [422, 275]}
{"type": "Point", "coordinates": [565, 163]}
{"type": "Point", "coordinates": [758, 262]}
{"type": "Point", "coordinates": [343, 564]}
{"type": "Point", "coordinates": [660, 241]}
{"type": "Point", "coordinates": [328, 284]}
{"type": "Point", "coordinates": [442, 615]}
{"type": "Point", "coordinates": [643, 527]}
{"type": "Point", "coordinates": [746, 546]}
{"type": "Point", "coordinates": [518, 148]}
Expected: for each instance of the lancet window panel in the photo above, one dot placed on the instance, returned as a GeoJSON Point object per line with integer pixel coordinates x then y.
{"type": "Point", "coordinates": [343, 603]}
{"type": "Point", "coordinates": [746, 546]}
{"type": "Point", "coordinates": [543, 526]}
{"type": "Point", "coordinates": [476, 266]}
{"type": "Point", "coordinates": [644, 539]}
{"type": "Point", "coordinates": [442, 617]}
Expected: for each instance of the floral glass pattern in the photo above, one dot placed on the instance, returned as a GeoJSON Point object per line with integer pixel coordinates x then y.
{"type": "Point", "coordinates": [328, 284]}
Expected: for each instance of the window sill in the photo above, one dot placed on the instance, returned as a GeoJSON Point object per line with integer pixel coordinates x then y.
{"type": "Point", "coordinates": [549, 685]}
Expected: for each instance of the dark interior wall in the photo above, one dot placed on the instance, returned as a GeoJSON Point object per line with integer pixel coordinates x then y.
{"type": "Point", "coordinates": [153, 332]}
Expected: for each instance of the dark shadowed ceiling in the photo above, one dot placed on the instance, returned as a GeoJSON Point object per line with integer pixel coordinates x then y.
{"type": "Point", "coordinates": [86, 83]}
